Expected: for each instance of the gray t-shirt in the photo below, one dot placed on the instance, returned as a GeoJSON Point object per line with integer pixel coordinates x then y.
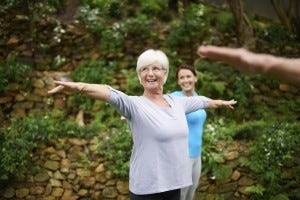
{"type": "Point", "coordinates": [160, 159]}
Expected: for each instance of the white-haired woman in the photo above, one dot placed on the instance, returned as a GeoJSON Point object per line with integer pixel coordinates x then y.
{"type": "Point", "coordinates": [159, 164]}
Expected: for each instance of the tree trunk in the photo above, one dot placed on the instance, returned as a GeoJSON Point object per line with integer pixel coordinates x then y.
{"type": "Point", "coordinates": [289, 17]}
{"type": "Point", "coordinates": [282, 14]}
{"type": "Point", "coordinates": [244, 27]}
{"type": "Point", "coordinates": [68, 14]}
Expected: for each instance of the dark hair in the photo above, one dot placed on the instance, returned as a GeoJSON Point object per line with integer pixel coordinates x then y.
{"type": "Point", "coordinates": [186, 66]}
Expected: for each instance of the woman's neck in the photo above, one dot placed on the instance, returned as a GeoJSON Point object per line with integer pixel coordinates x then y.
{"type": "Point", "coordinates": [153, 95]}
{"type": "Point", "coordinates": [157, 98]}
{"type": "Point", "coordinates": [188, 93]}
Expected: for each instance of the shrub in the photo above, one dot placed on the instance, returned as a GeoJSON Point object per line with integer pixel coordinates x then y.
{"type": "Point", "coordinates": [273, 149]}
{"type": "Point", "coordinates": [20, 138]}
{"type": "Point", "coordinates": [190, 30]}
{"type": "Point", "coordinates": [12, 71]}
{"type": "Point", "coordinates": [92, 72]}
{"type": "Point", "coordinates": [117, 149]}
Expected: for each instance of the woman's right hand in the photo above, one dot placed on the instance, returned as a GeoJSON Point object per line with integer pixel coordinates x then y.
{"type": "Point", "coordinates": [61, 86]}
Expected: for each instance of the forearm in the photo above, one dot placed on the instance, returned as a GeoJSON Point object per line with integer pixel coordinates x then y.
{"type": "Point", "coordinates": [96, 91]}
{"type": "Point", "coordinates": [287, 70]}
{"type": "Point", "coordinates": [214, 103]}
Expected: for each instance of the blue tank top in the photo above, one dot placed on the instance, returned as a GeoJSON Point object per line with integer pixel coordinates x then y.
{"type": "Point", "coordinates": [195, 122]}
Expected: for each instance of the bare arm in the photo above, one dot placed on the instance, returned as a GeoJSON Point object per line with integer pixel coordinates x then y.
{"type": "Point", "coordinates": [96, 91]}
{"type": "Point", "coordinates": [221, 103]}
{"type": "Point", "coordinates": [284, 69]}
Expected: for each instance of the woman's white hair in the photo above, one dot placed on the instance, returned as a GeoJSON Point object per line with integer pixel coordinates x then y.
{"type": "Point", "coordinates": [151, 56]}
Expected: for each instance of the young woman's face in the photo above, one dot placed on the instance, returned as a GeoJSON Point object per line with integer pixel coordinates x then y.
{"type": "Point", "coordinates": [186, 80]}
{"type": "Point", "coordinates": [152, 76]}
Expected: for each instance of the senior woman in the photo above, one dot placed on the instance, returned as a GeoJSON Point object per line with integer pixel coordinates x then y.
{"type": "Point", "coordinates": [159, 164]}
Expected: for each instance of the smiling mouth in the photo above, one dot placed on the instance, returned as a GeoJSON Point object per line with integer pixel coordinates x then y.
{"type": "Point", "coordinates": [186, 85]}
{"type": "Point", "coordinates": [151, 81]}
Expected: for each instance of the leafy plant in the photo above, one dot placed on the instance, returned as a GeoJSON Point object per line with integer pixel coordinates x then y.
{"type": "Point", "coordinates": [92, 19]}
{"type": "Point", "coordinates": [111, 39]}
{"type": "Point", "coordinates": [107, 8]}
{"type": "Point", "coordinates": [155, 8]}
{"type": "Point", "coordinates": [132, 84]}
{"type": "Point", "coordinates": [117, 149]}
{"type": "Point", "coordinates": [225, 22]}
{"type": "Point", "coordinates": [213, 157]}
{"type": "Point", "coordinates": [39, 6]}
{"type": "Point", "coordinates": [275, 147]}
{"type": "Point", "coordinates": [137, 27]}
{"type": "Point", "coordinates": [20, 138]}
{"type": "Point", "coordinates": [193, 24]}
{"type": "Point", "coordinates": [276, 35]}
{"type": "Point", "coordinates": [92, 72]}
{"type": "Point", "coordinates": [256, 189]}
{"type": "Point", "coordinates": [12, 71]}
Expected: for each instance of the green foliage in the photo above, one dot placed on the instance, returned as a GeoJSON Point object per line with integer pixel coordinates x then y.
{"type": "Point", "coordinates": [107, 117]}
{"type": "Point", "coordinates": [275, 35]}
{"type": "Point", "coordinates": [256, 189]}
{"type": "Point", "coordinates": [276, 145]}
{"type": "Point", "coordinates": [249, 129]}
{"type": "Point", "coordinates": [98, 15]}
{"type": "Point", "coordinates": [92, 19]}
{"type": "Point", "coordinates": [242, 89]}
{"type": "Point", "coordinates": [217, 129]}
{"type": "Point", "coordinates": [225, 22]}
{"type": "Point", "coordinates": [117, 149]}
{"type": "Point", "coordinates": [137, 27]}
{"type": "Point", "coordinates": [20, 138]}
{"type": "Point", "coordinates": [107, 8]}
{"type": "Point", "coordinates": [191, 29]}
{"type": "Point", "coordinates": [155, 8]}
{"type": "Point", "coordinates": [92, 72]}
{"type": "Point", "coordinates": [51, 5]}
{"type": "Point", "coordinates": [36, 6]}
{"type": "Point", "coordinates": [12, 71]}
{"type": "Point", "coordinates": [59, 61]}
{"type": "Point", "coordinates": [132, 85]}
{"type": "Point", "coordinates": [280, 197]}
{"type": "Point", "coordinates": [221, 172]}
{"type": "Point", "coordinates": [111, 39]}
{"type": "Point", "coordinates": [8, 4]}
{"type": "Point", "coordinates": [212, 79]}
{"type": "Point", "coordinates": [274, 148]}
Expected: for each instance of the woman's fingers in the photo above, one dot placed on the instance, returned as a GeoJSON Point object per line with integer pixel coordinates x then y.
{"type": "Point", "coordinates": [229, 104]}
{"type": "Point", "coordinates": [56, 89]}
{"type": "Point", "coordinates": [61, 85]}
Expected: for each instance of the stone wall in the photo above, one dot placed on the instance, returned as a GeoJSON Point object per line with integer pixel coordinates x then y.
{"type": "Point", "coordinates": [73, 168]}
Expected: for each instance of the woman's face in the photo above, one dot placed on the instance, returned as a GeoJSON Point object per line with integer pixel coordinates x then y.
{"type": "Point", "coordinates": [152, 76]}
{"type": "Point", "coordinates": [187, 80]}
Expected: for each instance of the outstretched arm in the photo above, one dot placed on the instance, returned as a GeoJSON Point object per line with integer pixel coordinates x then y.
{"type": "Point", "coordinates": [284, 69]}
{"type": "Point", "coordinates": [96, 91]}
{"type": "Point", "coordinates": [221, 103]}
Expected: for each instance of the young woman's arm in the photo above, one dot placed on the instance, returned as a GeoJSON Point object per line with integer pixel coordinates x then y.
{"type": "Point", "coordinates": [212, 103]}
